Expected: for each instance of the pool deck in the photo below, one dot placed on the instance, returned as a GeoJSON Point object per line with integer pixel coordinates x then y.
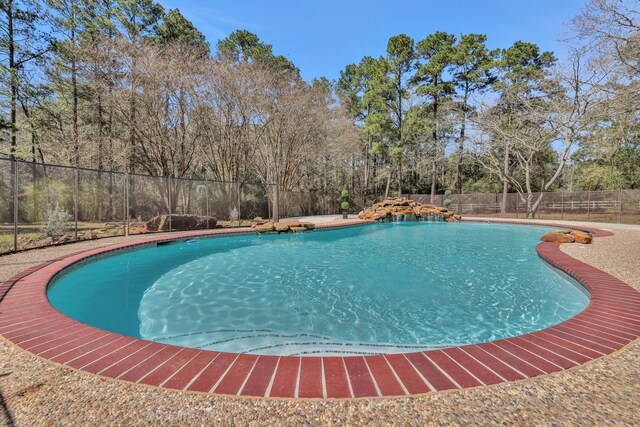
{"type": "Point", "coordinates": [608, 326]}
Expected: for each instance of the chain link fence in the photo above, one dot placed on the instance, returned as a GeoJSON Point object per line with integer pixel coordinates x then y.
{"type": "Point", "coordinates": [43, 205]}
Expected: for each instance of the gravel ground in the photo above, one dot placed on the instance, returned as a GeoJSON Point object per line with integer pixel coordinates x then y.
{"type": "Point", "coordinates": [603, 392]}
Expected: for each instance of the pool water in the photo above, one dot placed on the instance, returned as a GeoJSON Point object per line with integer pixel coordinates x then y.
{"type": "Point", "coordinates": [379, 288]}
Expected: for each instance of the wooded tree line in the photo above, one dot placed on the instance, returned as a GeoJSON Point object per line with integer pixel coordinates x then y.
{"type": "Point", "coordinates": [124, 85]}
{"type": "Point", "coordinates": [447, 112]}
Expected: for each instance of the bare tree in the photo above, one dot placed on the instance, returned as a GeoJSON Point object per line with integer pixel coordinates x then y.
{"type": "Point", "coordinates": [228, 117]}
{"type": "Point", "coordinates": [293, 117]}
{"type": "Point", "coordinates": [168, 135]}
{"type": "Point", "coordinates": [541, 126]}
{"type": "Point", "coordinates": [612, 28]}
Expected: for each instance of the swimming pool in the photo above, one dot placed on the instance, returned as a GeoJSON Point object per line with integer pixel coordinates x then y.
{"type": "Point", "coordinates": [380, 288]}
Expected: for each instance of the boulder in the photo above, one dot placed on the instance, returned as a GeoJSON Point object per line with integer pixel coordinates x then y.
{"type": "Point", "coordinates": [258, 221]}
{"type": "Point", "coordinates": [181, 222]}
{"type": "Point", "coordinates": [265, 228]}
{"type": "Point", "coordinates": [396, 201]}
{"type": "Point", "coordinates": [64, 239]}
{"type": "Point", "coordinates": [138, 230]}
{"type": "Point", "coordinates": [378, 215]}
{"type": "Point", "coordinates": [554, 236]}
{"type": "Point", "coordinates": [578, 236]}
{"type": "Point", "coordinates": [294, 223]}
{"type": "Point", "coordinates": [47, 241]}
{"type": "Point", "coordinates": [281, 228]}
{"type": "Point", "coordinates": [581, 236]}
{"type": "Point", "coordinates": [90, 235]}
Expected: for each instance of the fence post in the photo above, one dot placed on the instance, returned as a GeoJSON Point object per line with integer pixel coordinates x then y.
{"type": "Point", "coordinates": [76, 191]}
{"type": "Point", "coordinates": [276, 204]}
{"type": "Point", "coordinates": [619, 206]}
{"type": "Point", "coordinates": [206, 195]}
{"type": "Point", "coordinates": [126, 203]}
{"type": "Point", "coordinates": [15, 205]}
{"type": "Point", "coordinates": [588, 205]}
{"type": "Point", "coordinates": [562, 206]}
{"type": "Point", "coordinates": [238, 202]}
{"type": "Point", "coordinates": [169, 196]}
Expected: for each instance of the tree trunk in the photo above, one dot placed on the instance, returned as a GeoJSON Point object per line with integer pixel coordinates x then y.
{"type": "Point", "coordinates": [386, 191]}
{"type": "Point", "coordinates": [12, 103]}
{"type": "Point", "coordinates": [461, 151]}
{"type": "Point", "coordinates": [132, 116]}
{"type": "Point", "coordinates": [505, 184]}
{"type": "Point", "coordinates": [434, 178]}
{"type": "Point", "coordinates": [399, 177]}
{"type": "Point", "coordinates": [530, 208]}
{"type": "Point", "coordinates": [13, 70]}
{"type": "Point", "coordinates": [434, 172]}
{"type": "Point", "coordinates": [367, 168]}
{"type": "Point", "coordinates": [74, 86]}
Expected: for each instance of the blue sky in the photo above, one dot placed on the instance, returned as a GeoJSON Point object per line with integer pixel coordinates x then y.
{"type": "Point", "coordinates": [322, 36]}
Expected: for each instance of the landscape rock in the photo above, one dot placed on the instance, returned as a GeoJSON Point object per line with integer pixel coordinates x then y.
{"type": "Point", "coordinates": [582, 237]}
{"type": "Point", "coordinates": [266, 227]}
{"type": "Point", "coordinates": [258, 221]}
{"type": "Point", "coordinates": [138, 230]}
{"type": "Point", "coordinates": [90, 235]}
{"type": "Point", "coordinates": [281, 227]}
{"type": "Point", "coordinates": [64, 239]}
{"type": "Point", "coordinates": [47, 241]}
{"type": "Point", "coordinates": [294, 223]}
{"type": "Point", "coordinates": [568, 236]}
{"type": "Point", "coordinates": [291, 226]}
{"type": "Point", "coordinates": [555, 236]}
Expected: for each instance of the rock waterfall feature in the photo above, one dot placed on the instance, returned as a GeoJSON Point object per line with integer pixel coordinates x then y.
{"type": "Point", "coordinates": [400, 209]}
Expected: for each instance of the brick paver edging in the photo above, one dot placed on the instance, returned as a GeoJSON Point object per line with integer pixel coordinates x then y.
{"type": "Point", "coordinates": [611, 320]}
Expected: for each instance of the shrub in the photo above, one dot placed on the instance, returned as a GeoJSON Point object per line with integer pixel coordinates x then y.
{"type": "Point", "coordinates": [447, 203]}
{"type": "Point", "coordinates": [344, 193]}
{"type": "Point", "coordinates": [448, 193]}
{"type": "Point", "coordinates": [233, 214]}
{"type": "Point", "coordinates": [56, 221]}
{"type": "Point", "coordinates": [345, 206]}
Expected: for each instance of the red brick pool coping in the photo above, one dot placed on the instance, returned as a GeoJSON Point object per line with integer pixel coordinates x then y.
{"type": "Point", "coordinates": [611, 320]}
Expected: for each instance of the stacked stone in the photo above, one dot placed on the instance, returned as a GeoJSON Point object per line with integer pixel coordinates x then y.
{"type": "Point", "coordinates": [411, 210]}
{"type": "Point", "coordinates": [292, 226]}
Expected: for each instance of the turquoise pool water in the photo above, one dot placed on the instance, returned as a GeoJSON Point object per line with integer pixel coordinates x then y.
{"type": "Point", "coordinates": [360, 290]}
